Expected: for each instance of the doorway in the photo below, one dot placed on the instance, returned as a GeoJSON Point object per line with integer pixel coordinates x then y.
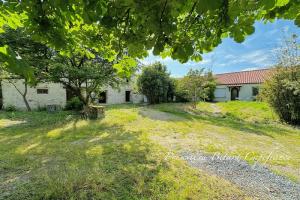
{"type": "Point", "coordinates": [234, 93]}
{"type": "Point", "coordinates": [127, 96]}
{"type": "Point", "coordinates": [102, 97]}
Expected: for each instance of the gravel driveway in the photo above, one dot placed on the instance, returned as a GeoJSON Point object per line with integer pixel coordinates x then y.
{"type": "Point", "coordinates": [256, 180]}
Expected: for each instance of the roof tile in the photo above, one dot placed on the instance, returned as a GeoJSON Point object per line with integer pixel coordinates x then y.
{"type": "Point", "coordinates": [244, 77]}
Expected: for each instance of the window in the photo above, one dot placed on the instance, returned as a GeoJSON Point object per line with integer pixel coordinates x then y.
{"type": "Point", "coordinates": [42, 91]}
{"type": "Point", "coordinates": [255, 91]}
{"type": "Point", "coordinates": [220, 92]}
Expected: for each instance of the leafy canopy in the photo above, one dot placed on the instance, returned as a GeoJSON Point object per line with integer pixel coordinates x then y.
{"type": "Point", "coordinates": [197, 85]}
{"type": "Point", "coordinates": [181, 29]}
{"type": "Point", "coordinates": [155, 83]}
{"type": "Point", "coordinates": [80, 74]}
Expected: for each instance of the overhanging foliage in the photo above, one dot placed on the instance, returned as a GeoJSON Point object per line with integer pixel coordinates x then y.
{"type": "Point", "coordinates": [181, 29]}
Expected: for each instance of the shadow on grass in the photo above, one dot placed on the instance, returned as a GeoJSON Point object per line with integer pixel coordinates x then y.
{"type": "Point", "coordinates": [229, 121]}
{"type": "Point", "coordinates": [88, 160]}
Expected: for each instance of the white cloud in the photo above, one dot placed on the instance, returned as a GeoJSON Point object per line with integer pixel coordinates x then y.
{"type": "Point", "coordinates": [256, 58]}
{"type": "Point", "coordinates": [250, 69]}
{"type": "Point", "coordinates": [229, 56]}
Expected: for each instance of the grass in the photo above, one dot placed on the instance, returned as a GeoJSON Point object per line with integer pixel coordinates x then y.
{"type": "Point", "coordinates": [249, 130]}
{"type": "Point", "coordinates": [249, 111]}
{"type": "Point", "coordinates": [59, 156]}
{"type": "Point", "coordinates": [125, 155]}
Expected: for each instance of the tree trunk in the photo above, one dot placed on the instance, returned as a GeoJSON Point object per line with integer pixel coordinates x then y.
{"type": "Point", "coordinates": [23, 94]}
{"type": "Point", "coordinates": [26, 103]}
{"type": "Point", "coordinates": [195, 100]}
{"type": "Point", "coordinates": [80, 96]}
{"type": "Point", "coordinates": [24, 97]}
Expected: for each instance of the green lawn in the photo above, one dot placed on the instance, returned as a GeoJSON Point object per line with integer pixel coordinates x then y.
{"type": "Point", "coordinates": [58, 156]}
{"type": "Point", "coordinates": [250, 130]}
{"type": "Point", "coordinates": [125, 155]}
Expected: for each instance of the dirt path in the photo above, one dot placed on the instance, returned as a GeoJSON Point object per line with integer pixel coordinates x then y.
{"type": "Point", "coordinates": [256, 180]}
{"type": "Point", "coordinates": [158, 115]}
{"type": "Point", "coordinates": [216, 109]}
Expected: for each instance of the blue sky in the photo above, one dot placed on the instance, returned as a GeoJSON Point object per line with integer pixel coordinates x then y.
{"type": "Point", "coordinates": [256, 52]}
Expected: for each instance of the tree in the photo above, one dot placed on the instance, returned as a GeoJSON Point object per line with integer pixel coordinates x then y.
{"type": "Point", "coordinates": [33, 54]}
{"type": "Point", "coordinates": [83, 76]}
{"type": "Point", "coordinates": [155, 83]}
{"type": "Point", "coordinates": [209, 86]}
{"type": "Point", "coordinates": [288, 54]}
{"type": "Point", "coordinates": [81, 73]}
{"type": "Point", "coordinates": [197, 85]}
{"type": "Point", "coordinates": [181, 29]}
{"type": "Point", "coordinates": [282, 90]}
{"type": "Point", "coordinates": [181, 94]}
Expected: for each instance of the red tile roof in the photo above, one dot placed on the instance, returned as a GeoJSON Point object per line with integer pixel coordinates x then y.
{"type": "Point", "coordinates": [244, 77]}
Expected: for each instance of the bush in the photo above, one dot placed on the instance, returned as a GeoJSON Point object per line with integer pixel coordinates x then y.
{"type": "Point", "coordinates": [180, 94]}
{"type": "Point", "coordinates": [41, 108]}
{"type": "Point", "coordinates": [155, 83]}
{"type": "Point", "coordinates": [74, 104]}
{"type": "Point", "coordinates": [282, 92]}
{"type": "Point", "coordinates": [197, 85]}
{"type": "Point", "coordinates": [10, 108]}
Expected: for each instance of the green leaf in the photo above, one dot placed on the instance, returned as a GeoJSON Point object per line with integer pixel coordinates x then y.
{"type": "Point", "coordinates": [166, 53]}
{"type": "Point", "coordinates": [158, 48]}
{"type": "Point", "coordinates": [4, 50]}
{"type": "Point", "coordinates": [281, 3]}
{"type": "Point", "coordinates": [267, 4]}
{"type": "Point", "coordinates": [126, 66]}
{"type": "Point", "coordinates": [9, 60]}
{"type": "Point", "coordinates": [239, 38]}
{"type": "Point", "coordinates": [249, 29]}
{"type": "Point", "coordinates": [196, 58]}
{"type": "Point", "coordinates": [206, 5]}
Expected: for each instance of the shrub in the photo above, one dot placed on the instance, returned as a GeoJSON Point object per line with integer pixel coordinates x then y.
{"type": "Point", "coordinates": [197, 85]}
{"type": "Point", "coordinates": [74, 104]}
{"type": "Point", "coordinates": [41, 108]}
{"type": "Point", "coordinates": [180, 94]}
{"type": "Point", "coordinates": [155, 83]}
{"type": "Point", "coordinates": [10, 108]}
{"type": "Point", "coordinates": [282, 92]}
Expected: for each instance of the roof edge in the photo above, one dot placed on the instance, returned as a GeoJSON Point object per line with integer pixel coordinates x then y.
{"type": "Point", "coordinates": [246, 71]}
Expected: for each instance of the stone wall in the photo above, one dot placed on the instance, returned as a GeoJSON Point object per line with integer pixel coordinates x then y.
{"type": "Point", "coordinates": [56, 94]}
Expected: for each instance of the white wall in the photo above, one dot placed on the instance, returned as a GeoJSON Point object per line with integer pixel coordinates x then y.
{"type": "Point", "coordinates": [56, 94]}
{"type": "Point", "coordinates": [245, 93]}
{"type": "Point", "coordinates": [117, 95]}
{"type": "Point", "coordinates": [222, 93]}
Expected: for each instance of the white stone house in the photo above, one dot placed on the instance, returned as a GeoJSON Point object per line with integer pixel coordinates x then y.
{"type": "Point", "coordinates": [47, 93]}
{"type": "Point", "coordinates": [242, 85]}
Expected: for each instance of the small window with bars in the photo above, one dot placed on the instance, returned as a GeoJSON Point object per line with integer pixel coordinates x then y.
{"type": "Point", "coordinates": [42, 91]}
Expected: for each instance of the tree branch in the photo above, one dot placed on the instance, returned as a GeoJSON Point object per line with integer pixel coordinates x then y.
{"type": "Point", "coordinates": [162, 14]}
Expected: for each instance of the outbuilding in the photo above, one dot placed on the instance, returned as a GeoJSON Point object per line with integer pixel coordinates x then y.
{"type": "Point", "coordinates": [244, 85]}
